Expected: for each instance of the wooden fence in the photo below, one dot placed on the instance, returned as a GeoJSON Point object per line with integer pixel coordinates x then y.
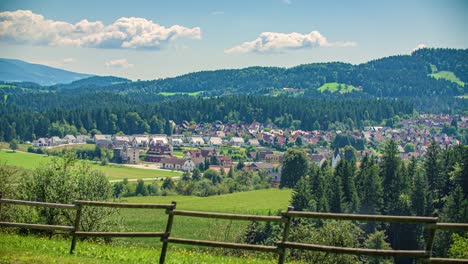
{"type": "Point", "coordinates": [431, 223]}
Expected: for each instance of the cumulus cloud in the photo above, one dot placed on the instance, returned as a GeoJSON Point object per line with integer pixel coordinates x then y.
{"type": "Point", "coordinates": [119, 64]}
{"type": "Point", "coordinates": [419, 46]}
{"type": "Point", "coordinates": [278, 42]}
{"type": "Point", "coordinates": [26, 27]}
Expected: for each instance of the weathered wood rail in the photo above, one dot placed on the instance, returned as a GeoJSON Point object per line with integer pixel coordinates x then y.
{"type": "Point", "coordinates": [431, 223]}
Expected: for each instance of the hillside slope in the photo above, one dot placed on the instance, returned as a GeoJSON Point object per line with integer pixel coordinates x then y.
{"type": "Point", "coordinates": [21, 71]}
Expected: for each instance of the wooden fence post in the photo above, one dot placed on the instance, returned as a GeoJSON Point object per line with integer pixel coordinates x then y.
{"type": "Point", "coordinates": [287, 225]}
{"type": "Point", "coordinates": [1, 195]}
{"type": "Point", "coordinates": [165, 238]}
{"type": "Point", "coordinates": [430, 239]}
{"type": "Point", "coordinates": [76, 226]}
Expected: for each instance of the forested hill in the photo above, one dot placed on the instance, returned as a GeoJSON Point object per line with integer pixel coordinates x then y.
{"type": "Point", "coordinates": [426, 72]}
{"type": "Point", "coordinates": [21, 71]}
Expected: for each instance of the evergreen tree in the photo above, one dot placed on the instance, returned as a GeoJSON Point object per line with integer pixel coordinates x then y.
{"type": "Point", "coordinates": [196, 175]}
{"type": "Point", "coordinates": [432, 168]}
{"type": "Point", "coordinates": [336, 195]}
{"type": "Point", "coordinates": [295, 166]}
{"type": "Point", "coordinates": [390, 167]}
{"type": "Point", "coordinates": [231, 173]}
{"type": "Point", "coordinates": [419, 195]}
{"type": "Point", "coordinates": [140, 188]}
{"type": "Point", "coordinates": [301, 197]}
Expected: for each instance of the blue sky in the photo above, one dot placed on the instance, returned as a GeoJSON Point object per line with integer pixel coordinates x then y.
{"type": "Point", "coordinates": [186, 36]}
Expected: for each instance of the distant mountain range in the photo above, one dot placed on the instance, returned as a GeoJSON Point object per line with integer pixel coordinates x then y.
{"type": "Point", "coordinates": [424, 73]}
{"type": "Point", "coordinates": [20, 71]}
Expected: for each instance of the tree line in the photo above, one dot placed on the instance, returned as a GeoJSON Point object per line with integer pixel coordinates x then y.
{"type": "Point", "coordinates": [285, 112]}
{"type": "Point", "coordinates": [389, 186]}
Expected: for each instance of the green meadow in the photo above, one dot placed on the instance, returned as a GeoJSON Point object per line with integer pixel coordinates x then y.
{"type": "Point", "coordinates": [113, 172]}
{"type": "Point", "coordinates": [32, 249]}
{"type": "Point", "coordinates": [337, 87]}
{"type": "Point", "coordinates": [259, 202]}
{"type": "Point", "coordinates": [180, 93]}
{"type": "Point", "coordinates": [447, 75]}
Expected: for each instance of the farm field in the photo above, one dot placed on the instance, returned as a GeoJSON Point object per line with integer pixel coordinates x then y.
{"type": "Point", "coordinates": [253, 202]}
{"type": "Point", "coordinates": [180, 93]}
{"type": "Point", "coordinates": [31, 249]}
{"type": "Point", "coordinates": [447, 75]}
{"type": "Point", "coordinates": [337, 87]}
{"type": "Point", "coordinates": [113, 172]}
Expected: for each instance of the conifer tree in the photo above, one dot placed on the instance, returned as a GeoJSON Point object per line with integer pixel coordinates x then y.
{"type": "Point", "coordinates": [295, 165]}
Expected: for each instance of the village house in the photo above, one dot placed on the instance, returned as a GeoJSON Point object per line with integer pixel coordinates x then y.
{"type": "Point", "coordinates": [82, 139]}
{"type": "Point", "coordinates": [140, 142]}
{"type": "Point", "coordinates": [177, 142]}
{"type": "Point", "coordinates": [41, 142]}
{"type": "Point", "coordinates": [237, 141]}
{"type": "Point", "coordinates": [120, 141]}
{"type": "Point", "coordinates": [158, 149]}
{"type": "Point", "coordinates": [186, 164]}
{"type": "Point", "coordinates": [253, 142]}
{"type": "Point", "coordinates": [197, 141]}
{"type": "Point", "coordinates": [69, 139]}
{"type": "Point", "coordinates": [223, 161]}
{"type": "Point", "coordinates": [55, 141]}
{"type": "Point", "coordinates": [215, 141]}
{"type": "Point", "coordinates": [126, 155]}
{"type": "Point", "coordinates": [102, 140]}
{"type": "Point", "coordinates": [318, 159]}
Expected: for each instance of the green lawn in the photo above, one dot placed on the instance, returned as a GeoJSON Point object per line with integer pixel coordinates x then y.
{"type": "Point", "coordinates": [74, 146]}
{"type": "Point", "coordinates": [21, 147]}
{"type": "Point", "coordinates": [337, 87]}
{"type": "Point", "coordinates": [253, 202]}
{"type": "Point", "coordinates": [180, 93]}
{"type": "Point", "coordinates": [31, 249]}
{"type": "Point", "coordinates": [447, 75]}
{"type": "Point", "coordinates": [20, 249]}
{"type": "Point", "coordinates": [113, 172]}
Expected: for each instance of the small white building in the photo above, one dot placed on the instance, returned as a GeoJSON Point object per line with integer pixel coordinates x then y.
{"type": "Point", "coordinates": [215, 141]}
{"type": "Point", "coordinates": [197, 141]}
{"type": "Point", "coordinates": [236, 141]}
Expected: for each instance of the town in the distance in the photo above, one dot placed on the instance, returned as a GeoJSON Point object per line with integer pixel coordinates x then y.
{"type": "Point", "coordinates": [259, 146]}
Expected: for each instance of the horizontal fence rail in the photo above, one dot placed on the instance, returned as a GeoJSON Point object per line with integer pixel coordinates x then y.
{"type": "Point", "coordinates": [126, 205]}
{"type": "Point", "coordinates": [222, 244]}
{"type": "Point", "coordinates": [431, 223]}
{"type": "Point", "coordinates": [367, 218]}
{"type": "Point", "coordinates": [31, 203]}
{"type": "Point", "coordinates": [358, 251]}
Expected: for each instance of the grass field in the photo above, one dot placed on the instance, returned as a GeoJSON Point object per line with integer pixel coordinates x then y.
{"type": "Point", "coordinates": [337, 87]}
{"type": "Point", "coordinates": [113, 172]}
{"type": "Point", "coordinates": [20, 249]}
{"type": "Point", "coordinates": [180, 93]}
{"type": "Point", "coordinates": [254, 202]}
{"type": "Point", "coordinates": [31, 249]}
{"type": "Point", "coordinates": [74, 146]}
{"type": "Point", "coordinates": [447, 75]}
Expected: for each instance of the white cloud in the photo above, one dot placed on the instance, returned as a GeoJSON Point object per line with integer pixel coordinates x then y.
{"type": "Point", "coordinates": [26, 27]}
{"type": "Point", "coordinates": [288, 2]}
{"type": "Point", "coordinates": [419, 46]}
{"type": "Point", "coordinates": [269, 42]}
{"type": "Point", "coordinates": [217, 13]}
{"type": "Point", "coordinates": [119, 64]}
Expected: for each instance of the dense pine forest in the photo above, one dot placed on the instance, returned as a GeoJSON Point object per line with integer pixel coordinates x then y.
{"type": "Point", "coordinates": [434, 184]}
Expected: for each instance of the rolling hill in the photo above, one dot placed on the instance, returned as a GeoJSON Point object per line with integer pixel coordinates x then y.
{"type": "Point", "coordinates": [20, 71]}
